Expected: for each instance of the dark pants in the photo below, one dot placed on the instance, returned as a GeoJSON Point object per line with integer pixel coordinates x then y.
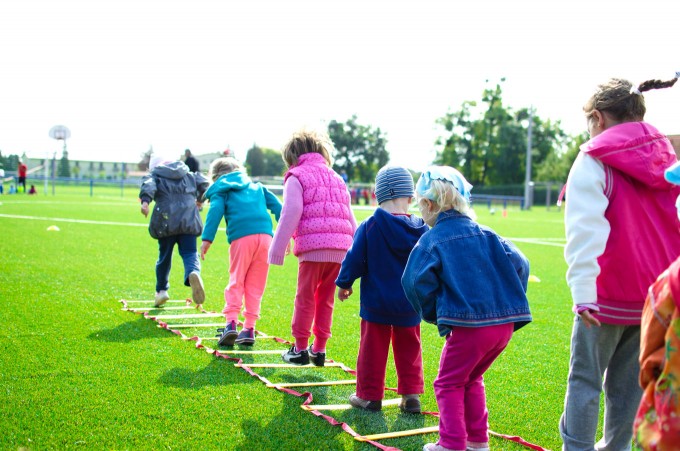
{"type": "Point", "coordinates": [187, 250]}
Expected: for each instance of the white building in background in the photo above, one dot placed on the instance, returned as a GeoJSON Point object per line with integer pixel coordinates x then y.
{"type": "Point", "coordinates": [107, 170]}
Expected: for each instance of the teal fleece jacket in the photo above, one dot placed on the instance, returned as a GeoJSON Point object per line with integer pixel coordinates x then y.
{"type": "Point", "coordinates": [243, 204]}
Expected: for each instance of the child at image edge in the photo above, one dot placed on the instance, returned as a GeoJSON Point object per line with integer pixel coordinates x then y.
{"type": "Point", "coordinates": [378, 256]}
{"type": "Point", "coordinates": [657, 423]}
{"type": "Point", "coordinates": [472, 284]}
{"type": "Point", "coordinates": [175, 220]}
{"type": "Point", "coordinates": [243, 205]}
{"type": "Point", "coordinates": [317, 214]}
{"type": "Point", "coordinates": [622, 232]}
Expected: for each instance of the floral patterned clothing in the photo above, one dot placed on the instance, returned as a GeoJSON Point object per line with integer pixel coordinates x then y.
{"type": "Point", "coordinates": [657, 424]}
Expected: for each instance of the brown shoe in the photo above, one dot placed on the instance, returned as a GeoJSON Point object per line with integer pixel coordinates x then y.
{"type": "Point", "coordinates": [410, 404]}
{"type": "Point", "coordinates": [355, 401]}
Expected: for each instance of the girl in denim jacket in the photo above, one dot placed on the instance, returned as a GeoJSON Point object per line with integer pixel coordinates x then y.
{"type": "Point", "coordinates": [472, 284]}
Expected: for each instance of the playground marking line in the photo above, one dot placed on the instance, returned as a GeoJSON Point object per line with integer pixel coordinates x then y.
{"type": "Point", "coordinates": [286, 365]}
{"type": "Point", "coordinates": [286, 387]}
{"type": "Point", "coordinates": [312, 384]}
{"type": "Point", "coordinates": [427, 430]}
{"type": "Point", "coordinates": [386, 402]}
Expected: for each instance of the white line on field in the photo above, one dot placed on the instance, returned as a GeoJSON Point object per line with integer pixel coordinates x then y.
{"type": "Point", "coordinates": [541, 241]}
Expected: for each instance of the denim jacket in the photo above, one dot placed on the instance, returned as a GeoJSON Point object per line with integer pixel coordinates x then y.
{"type": "Point", "coordinates": [462, 274]}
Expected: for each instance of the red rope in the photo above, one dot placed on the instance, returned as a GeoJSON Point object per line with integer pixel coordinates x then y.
{"type": "Point", "coordinates": [307, 395]}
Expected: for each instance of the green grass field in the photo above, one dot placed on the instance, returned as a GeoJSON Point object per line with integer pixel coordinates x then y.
{"type": "Point", "coordinates": [77, 371]}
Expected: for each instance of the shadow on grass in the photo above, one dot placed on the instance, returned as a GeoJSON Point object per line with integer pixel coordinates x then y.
{"type": "Point", "coordinates": [128, 332]}
{"type": "Point", "coordinates": [292, 428]}
{"type": "Point", "coordinates": [216, 373]}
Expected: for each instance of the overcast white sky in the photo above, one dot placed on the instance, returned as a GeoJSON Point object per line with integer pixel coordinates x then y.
{"type": "Point", "coordinates": [124, 75]}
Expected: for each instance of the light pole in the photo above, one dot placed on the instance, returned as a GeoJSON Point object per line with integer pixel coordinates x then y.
{"type": "Point", "coordinates": [527, 177]}
{"type": "Point", "coordinates": [58, 132]}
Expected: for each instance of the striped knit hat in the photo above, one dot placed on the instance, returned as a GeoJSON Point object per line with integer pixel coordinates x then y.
{"type": "Point", "coordinates": [393, 182]}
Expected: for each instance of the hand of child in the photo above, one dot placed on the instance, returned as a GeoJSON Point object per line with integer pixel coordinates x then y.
{"type": "Point", "coordinates": [589, 319]}
{"type": "Point", "coordinates": [344, 293]}
{"type": "Point", "coordinates": [289, 247]}
{"type": "Point", "coordinates": [205, 245]}
{"type": "Point", "coordinates": [145, 209]}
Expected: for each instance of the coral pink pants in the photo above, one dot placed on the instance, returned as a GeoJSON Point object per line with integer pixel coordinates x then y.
{"type": "Point", "coordinates": [314, 302]}
{"type": "Point", "coordinates": [248, 270]}
{"type": "Point", "coordinates": [372, 360]}
{"type": "Point", "coordinates": [459, 386]}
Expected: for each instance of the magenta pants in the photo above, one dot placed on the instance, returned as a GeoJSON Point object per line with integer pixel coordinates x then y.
{"type": "Point", "coordinates": [314, 302]}
{"type": "Point", "coordinates": [459, 386]}
{"type": "Point", "coordinates": [374, 348]}
{"type": "Point", "coordinates": [248, 270]}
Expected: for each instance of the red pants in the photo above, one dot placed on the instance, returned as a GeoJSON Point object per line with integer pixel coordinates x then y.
{"type": "Point", "coordinates": [314, 302]}
{"type": "Point", "coordinates": [372, 360]}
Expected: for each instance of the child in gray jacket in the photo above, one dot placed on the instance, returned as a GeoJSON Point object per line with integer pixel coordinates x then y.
{"type": "Point", "coordinates": [175, 220]}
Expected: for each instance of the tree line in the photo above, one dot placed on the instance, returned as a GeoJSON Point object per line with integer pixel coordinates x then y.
{"type": "Point", "coordinates": [486, 140]}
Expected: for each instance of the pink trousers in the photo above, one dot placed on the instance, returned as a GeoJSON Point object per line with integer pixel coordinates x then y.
{"type": "Point", "coordinates": [459, 386]}
{"type": "Point", "coordinates": [374, 348]}
{"type": "Point", "coordinates": [314, 302]}
{"type": "Point", "coordinates": [248, 270]}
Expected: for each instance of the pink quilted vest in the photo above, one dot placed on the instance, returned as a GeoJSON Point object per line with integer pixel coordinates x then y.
{"type": "Point", "coordinates": [325, 221]}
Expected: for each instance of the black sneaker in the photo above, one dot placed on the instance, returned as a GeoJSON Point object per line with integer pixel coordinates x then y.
{"type": "Point", "coordinates": [296, 358]}
{"type": "Point", "coordinates": [355, 401]}
{"type": "Point", "coordinates": [317, 358]}
{"type": "Point", "coordinates": [228, 335]}
{"type": "Point", "coordinates": [410, 404]}
{"type": "Point", "coordinates": [246, 337]}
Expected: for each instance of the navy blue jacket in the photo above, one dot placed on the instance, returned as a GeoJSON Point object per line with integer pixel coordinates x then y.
{"type": "Point", "coordinates": [462, 274]}
{"type": "Point", "coordinates": [382, 244]}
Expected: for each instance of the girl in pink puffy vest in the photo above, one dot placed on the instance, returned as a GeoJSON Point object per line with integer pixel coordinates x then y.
{"type": "Point", "coordinates": [317, 215]}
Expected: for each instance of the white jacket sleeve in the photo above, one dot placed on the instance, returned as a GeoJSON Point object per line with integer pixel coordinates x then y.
{"type": "Point", "coordinates": [587, 230]}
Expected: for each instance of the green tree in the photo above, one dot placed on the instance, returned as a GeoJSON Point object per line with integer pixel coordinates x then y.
{"type": "Point", "coordinates": [262, 161]}
{"type": "Point", "coordinates": [556, 166]}
{"type": "Point", "coordinates": [64, 168]}
{"type": "Point", "coordinates": [359, 149]}
{"type": "Point", "coordinates": [255, 161]}
{"type": "Point", "coordinates": [491, 149]}
{"type": "Point", "coordinates": [274, 164]}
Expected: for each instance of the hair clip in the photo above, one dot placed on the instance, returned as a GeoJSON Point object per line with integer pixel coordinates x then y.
{"type": "Point", "coordinates": [635, 90]}
{"type": "Point", "coordinates": [677, 74]}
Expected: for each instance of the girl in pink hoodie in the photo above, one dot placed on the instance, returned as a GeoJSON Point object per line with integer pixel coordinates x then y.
{"type": "Point", "coordinates": [622, 231]}
{"type": "Point", "coordinates": [317, 215]}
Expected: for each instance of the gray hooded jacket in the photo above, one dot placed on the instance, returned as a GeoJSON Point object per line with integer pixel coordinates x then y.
{"type": "Point", "coordinates": [174, 190]}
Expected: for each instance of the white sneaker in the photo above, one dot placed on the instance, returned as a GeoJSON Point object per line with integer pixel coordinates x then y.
{"type": "Point", "coordinates": [160, 298]}
{"type": "Point", "coordinates": [197, 291]}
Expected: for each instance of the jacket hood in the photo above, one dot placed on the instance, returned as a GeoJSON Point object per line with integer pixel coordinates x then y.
{"type": "Point", "coordinates": [635, 148]}
{"type": "Point", "coordinates": [174, 170]}
{"type": "Point", "coordinates": [403, 233]}
{"type": "Point", "coordinates": [236, 180]}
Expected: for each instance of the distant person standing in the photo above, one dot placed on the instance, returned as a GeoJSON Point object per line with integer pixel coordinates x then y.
{"type": "Point", "coordinates": [2, 180]}
{"type": "Point", "coordinates": [190, 161]}
{"type": "Point", "coordinates": [23, 169]}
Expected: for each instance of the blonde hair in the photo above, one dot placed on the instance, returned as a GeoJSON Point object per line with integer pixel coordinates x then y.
{"type": "Point", "coordinates": [307, 141]}
{"type": "Point", "coordinates": [224, 165]}
{"type": "Point", "coordinates": [621, 100]}
{"type": "Point", "coordinates": [447, 198]}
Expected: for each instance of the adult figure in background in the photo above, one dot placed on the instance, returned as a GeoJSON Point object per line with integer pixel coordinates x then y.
{"type": "Point", "coordinates": [22, 171]}
{"type": "Point", "coordinates": [622, 232]}
{"type": "Point", "coordinates": [190, 161]}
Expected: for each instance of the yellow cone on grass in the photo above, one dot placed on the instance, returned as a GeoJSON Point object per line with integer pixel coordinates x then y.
{"type": "Point", "coordinates": [53, 228]}
{"type": "Point", "coordinates": [533, 278]}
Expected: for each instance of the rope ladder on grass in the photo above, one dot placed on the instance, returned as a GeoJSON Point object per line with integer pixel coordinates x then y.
{"type": "Point", "coordinates": [169, 322]}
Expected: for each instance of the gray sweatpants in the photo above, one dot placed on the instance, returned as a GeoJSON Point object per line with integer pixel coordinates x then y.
{"type": "Point", "coordinates": [610, 352]}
